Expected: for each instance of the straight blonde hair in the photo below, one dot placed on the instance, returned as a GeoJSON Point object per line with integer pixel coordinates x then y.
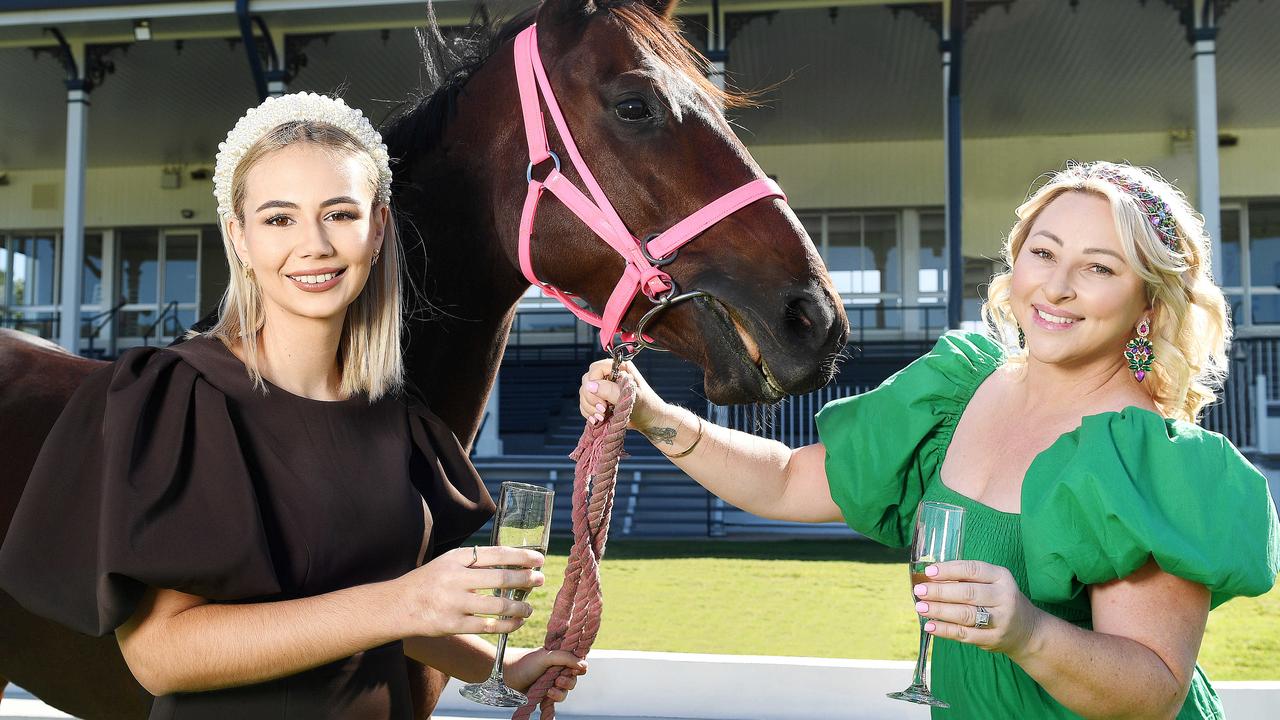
{"type": "Point", "coordinates": [1189, 330]}
{"type": "Point", "coordinates": [369, 350]}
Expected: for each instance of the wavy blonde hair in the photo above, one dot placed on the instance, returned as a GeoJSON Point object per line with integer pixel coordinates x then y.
{"type": "Point", "coordinates": [369, 349]}
{"type": "Point", "coordinates": [1189, 329]}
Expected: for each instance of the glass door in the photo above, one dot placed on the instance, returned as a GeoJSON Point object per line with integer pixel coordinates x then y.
{"type": "Point", "coordinates": [159, 280]}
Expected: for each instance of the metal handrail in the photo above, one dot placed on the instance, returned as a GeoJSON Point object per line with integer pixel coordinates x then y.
{"type": "Point", "coordinates": [168, 309]}
{"type": "Point", "coordinates": [107, 317]}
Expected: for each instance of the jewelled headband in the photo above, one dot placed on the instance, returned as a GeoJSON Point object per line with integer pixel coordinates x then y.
{"type": "Point", "coordinates": [297, 107]}
{"type": "Point", "coordinates": [1152, 205]}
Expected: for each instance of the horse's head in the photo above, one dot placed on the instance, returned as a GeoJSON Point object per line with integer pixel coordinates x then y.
{"type": "Point", "coordinates": [652, 129]}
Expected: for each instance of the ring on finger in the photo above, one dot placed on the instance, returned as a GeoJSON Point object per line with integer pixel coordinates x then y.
{"type": "Point", "coordinates": [475, 557]}
{"type": "Point", "coordinates": [981, 617]}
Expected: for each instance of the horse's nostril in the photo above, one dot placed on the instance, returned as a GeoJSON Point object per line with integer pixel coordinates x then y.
{"type": "Point", "coordinates": [798, 315]}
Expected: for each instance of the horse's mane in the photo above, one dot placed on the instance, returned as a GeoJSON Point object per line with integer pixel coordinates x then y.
{"type": "Point", "coordinates": [417, 127]}
{"type": "Point", "coordinates": [448, 63]}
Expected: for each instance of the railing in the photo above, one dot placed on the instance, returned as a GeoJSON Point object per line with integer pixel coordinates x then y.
{"type": "Point", "coordinates": [170, 312]}
{"type": "Point", "coordinates": [790, 421]}
{"type": "Point", "coordinates": [895, 321]}
{"type": "Point", "coordinates": [48, 325]}
{"type": "Point", "coordinates": [102, 319]}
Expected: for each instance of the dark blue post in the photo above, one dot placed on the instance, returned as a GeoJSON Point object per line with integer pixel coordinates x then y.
{"type": "Point", "coordinates": [952, 52]}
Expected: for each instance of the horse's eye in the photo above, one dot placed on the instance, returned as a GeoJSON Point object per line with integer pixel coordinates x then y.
{"type": "Point", "coordinates": [633, 110]}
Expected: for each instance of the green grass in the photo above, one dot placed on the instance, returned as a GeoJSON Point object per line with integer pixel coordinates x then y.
{"type": "Point", "coordinates": [835, 599]}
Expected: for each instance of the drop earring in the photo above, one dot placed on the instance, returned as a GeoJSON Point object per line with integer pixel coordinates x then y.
{"type": "Point", "coordinates": [1022, 340]}
{"type": "Point", "coordinates": [1139, 353]}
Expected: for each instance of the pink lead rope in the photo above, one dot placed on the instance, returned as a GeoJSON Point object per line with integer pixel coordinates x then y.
{"type": "Point", "coordinates": [641, 273]}
{"type": "Point", "coordinates": [575, 617]}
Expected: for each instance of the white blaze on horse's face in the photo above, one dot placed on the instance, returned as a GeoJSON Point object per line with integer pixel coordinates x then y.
{"type": "Point", "coordinates": [310, 231]}
{"type": "Point", "coordinates": [1075, 296]}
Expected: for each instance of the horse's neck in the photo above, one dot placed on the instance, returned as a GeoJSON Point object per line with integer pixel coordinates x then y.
{"type": "Point", "coordinates": [471, 290]}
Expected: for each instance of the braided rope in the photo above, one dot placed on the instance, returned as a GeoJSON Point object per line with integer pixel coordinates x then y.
{"type": "Point", "coordinates": [575, 617]}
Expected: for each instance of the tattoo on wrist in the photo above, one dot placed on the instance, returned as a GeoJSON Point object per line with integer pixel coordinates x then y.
{"type": "Point", "coordinates": [664, 435]}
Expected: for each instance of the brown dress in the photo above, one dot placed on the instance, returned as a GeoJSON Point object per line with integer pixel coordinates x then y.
{"type": "Point", "coordinates": [167, 469]}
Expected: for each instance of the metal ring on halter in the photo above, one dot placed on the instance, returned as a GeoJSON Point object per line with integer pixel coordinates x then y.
{"type": "Point", "coordinates": [663, 302]}
{"type": "Point", "coordinates": [475, 557]}
{"type": "Point", "coordinates": [656, 262]}
{"type": "Point", "coordinates": [982, 618]}
{"type": "Point", "coordinates": [528, 173]}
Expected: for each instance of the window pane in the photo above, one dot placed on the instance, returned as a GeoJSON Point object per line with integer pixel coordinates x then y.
{"type": "Point", "coordinates": [1264, 244]}
{"type": "Point", "coordinates": [1229, 273]}
{"type": "Point", "coordinates": [133, 323]}
{"type": "Point", "coordinates": [180, 268]}
{"type": "Point", "coordinates": [812, 224]}
{"type": "Point", "coordinates": [4, 270]}
{"type": "Point", "coordinates": [213, 270]}
{"type": "Point", "coordinates": [139, 258]}
{"type": "Point", "coordinates": [933, 253]}
{"type": "Point", "coordinates": [1235, 308]}
{"type": "Point", "coordinates": [1266, 309]}
{"type": "Point", "coordinates": [34, 270]}
{"type": "Point", "coordinates": [844, 248]}
{"type": "Point", "coordinates": [880, 238]}
{"type": "Point", "coordinates": [91, 279]}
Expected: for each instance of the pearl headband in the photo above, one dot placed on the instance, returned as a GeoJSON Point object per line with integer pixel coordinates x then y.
{"type": "Point", "coordinates": [276, 111]}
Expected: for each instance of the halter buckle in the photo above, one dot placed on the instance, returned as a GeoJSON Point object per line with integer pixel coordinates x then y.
{"type": "Point", "coordinates": [528, 173]}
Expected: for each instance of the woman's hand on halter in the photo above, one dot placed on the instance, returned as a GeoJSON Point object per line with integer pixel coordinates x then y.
{"type": "Point", "coordinates": [958, 588]}
{"type": "Point", "coordinates": [521, 668]}
{"type": "Point", "coordinates": [597, 394]}
{"type": "Point", "coordinates": [441, 598]}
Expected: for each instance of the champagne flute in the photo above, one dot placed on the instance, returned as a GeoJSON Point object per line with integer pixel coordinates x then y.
{"type": "Point", "coordinates": [939, 538]}
{"type": "Point", "coordinates": [523, 521]}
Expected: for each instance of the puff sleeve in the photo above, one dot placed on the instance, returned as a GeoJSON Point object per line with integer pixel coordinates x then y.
{"type": "Point", "coordinates": [1129, 486]}
{"type": "Point", "coordinates": [444, 476]}
{"type": "Point", "coordinates": [884, 446]}
{"type": "Point", "coordinates": [139, 483]}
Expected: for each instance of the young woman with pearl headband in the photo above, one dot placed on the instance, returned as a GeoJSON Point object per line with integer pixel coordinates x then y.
{"type": "Point", "coordinates": [266, 515]}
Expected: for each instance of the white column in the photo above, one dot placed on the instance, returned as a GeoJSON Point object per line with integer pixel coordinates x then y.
{"type": "Point", "coordinates": [1207, 182]}
{"type": "Point", "coordinates": [73, 216]}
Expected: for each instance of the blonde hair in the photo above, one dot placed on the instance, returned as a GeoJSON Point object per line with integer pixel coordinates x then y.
{"type": "Point", "coordinates": [369, 349]}
{"type": "Point", "coordinates": [1189, 328]}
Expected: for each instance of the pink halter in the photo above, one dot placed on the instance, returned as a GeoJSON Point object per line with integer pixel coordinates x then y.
{"type": "Point", "coordinates": [644, 259]}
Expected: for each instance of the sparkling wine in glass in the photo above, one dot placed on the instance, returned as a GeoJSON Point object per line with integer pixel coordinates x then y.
{"type": "Point", "coordinates": [939, 538]}
{"type": "Point", "coordinates": [523, 521]}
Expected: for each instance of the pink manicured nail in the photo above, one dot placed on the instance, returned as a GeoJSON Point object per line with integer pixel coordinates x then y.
{"type": "Point", "coordinates": [930, 627]}
{"type": "Point", "coordinates": [931, 571]}
{"type": "Point", "coordinates": [921, 590]}
{"type": "Point", "coordinates": [600, 407]}
{"type": "Point", "coordinates": [922, 607]}
{"type": "Point", "coordinates": [592, 419]}
{"type": "Point", "coordinates": [593, 386]}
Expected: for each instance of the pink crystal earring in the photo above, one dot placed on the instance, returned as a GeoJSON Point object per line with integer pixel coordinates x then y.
{"type": "Point", "coordinates": [1138, 352]}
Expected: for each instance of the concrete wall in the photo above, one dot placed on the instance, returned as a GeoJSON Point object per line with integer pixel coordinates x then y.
{"type": "Point", "coordinates": [733, 687]}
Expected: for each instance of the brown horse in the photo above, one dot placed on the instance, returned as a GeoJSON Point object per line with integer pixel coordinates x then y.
{"type": "Point", "coordinates": [653, 131]}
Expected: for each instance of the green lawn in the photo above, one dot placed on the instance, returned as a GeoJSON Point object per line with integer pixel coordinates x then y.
{"type": "Point", "coordinates": [839, 599]}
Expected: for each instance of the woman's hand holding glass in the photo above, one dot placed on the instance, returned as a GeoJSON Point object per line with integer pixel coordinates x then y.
{"type": "Point", "coordinates": [957, 590]}
{"type": "Point", "coordinates": [441, 598]}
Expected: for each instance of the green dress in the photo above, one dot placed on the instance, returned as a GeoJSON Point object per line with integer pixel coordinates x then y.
{"type": "Point", "coordinates": [1122, 487]}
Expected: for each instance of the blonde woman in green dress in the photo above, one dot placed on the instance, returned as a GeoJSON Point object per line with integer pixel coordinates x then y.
{"type": "Point", "coordinates": [1103, 523]}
